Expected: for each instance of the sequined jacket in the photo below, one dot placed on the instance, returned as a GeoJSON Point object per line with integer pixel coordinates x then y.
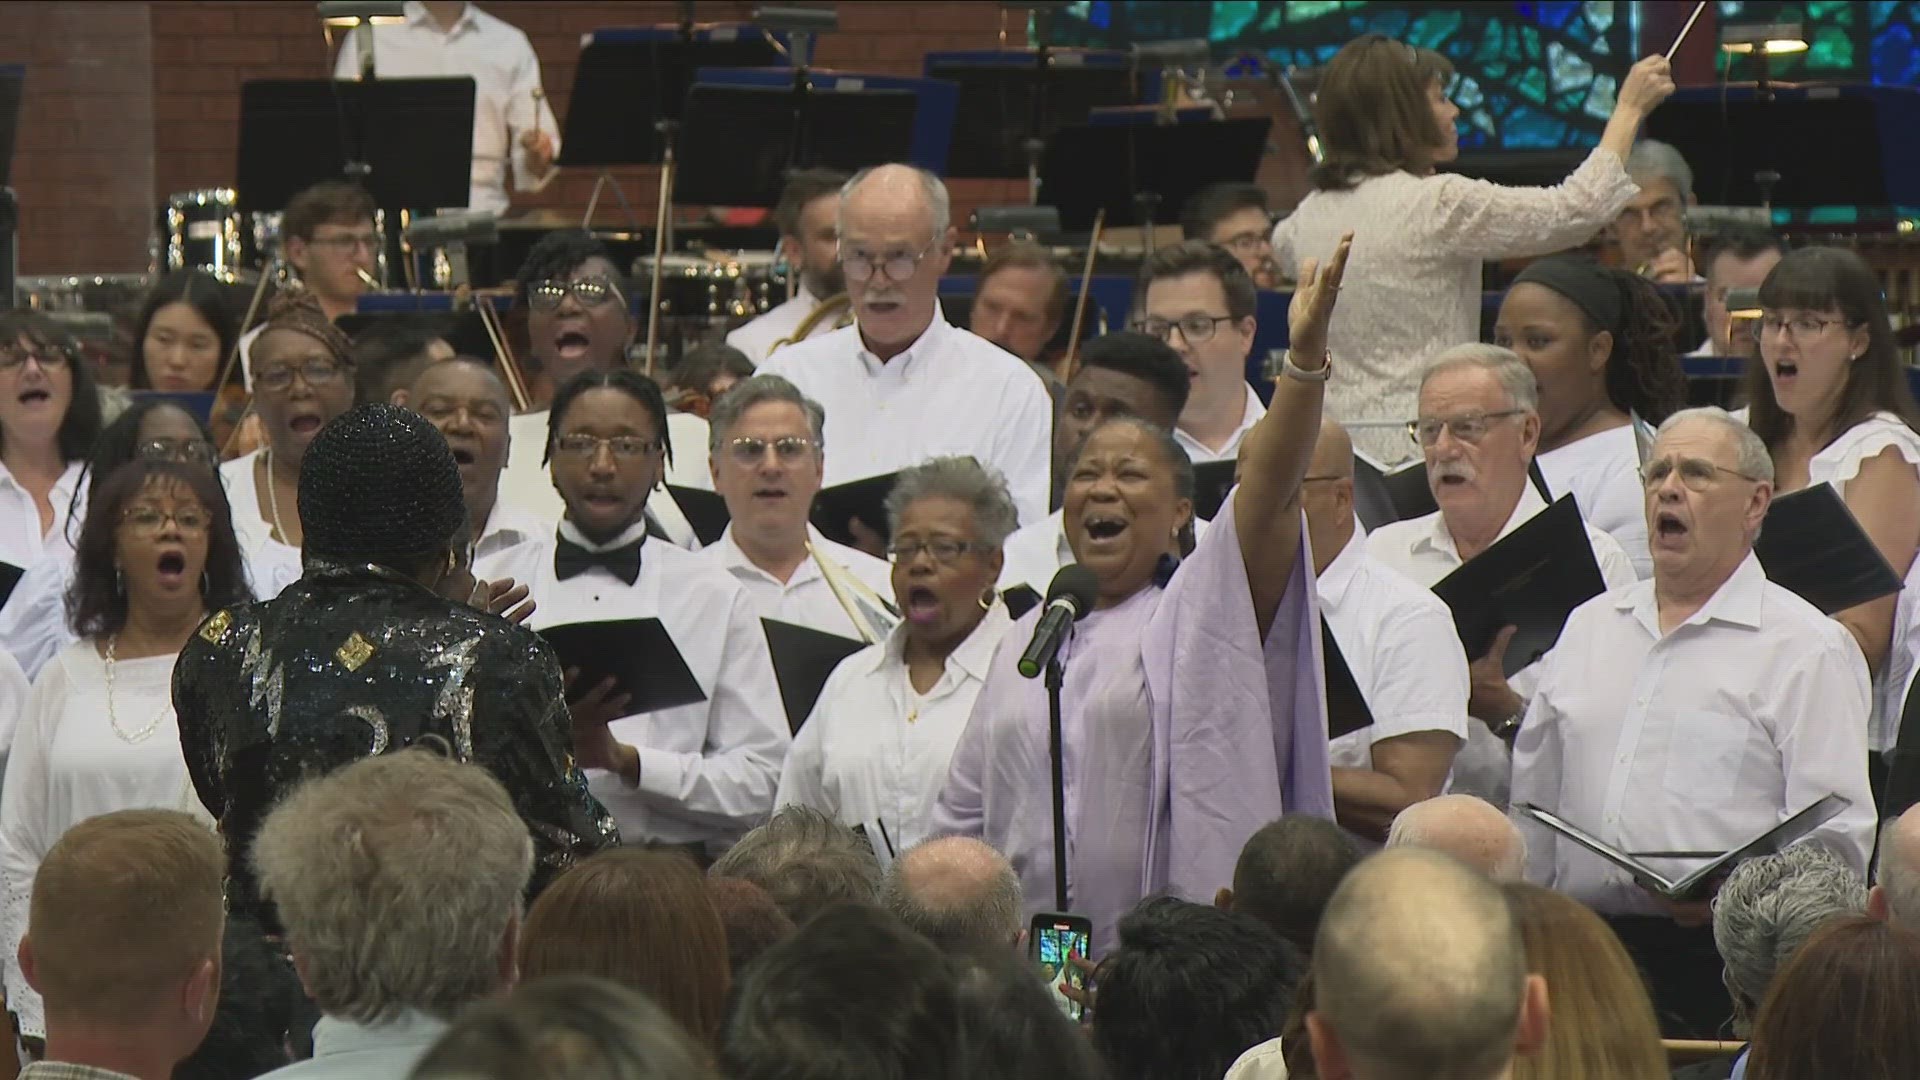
{"type": "Point", "coordinates": [349, 662]}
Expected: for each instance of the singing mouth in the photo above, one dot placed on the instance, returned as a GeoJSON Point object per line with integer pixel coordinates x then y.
{"type": "Point", "coordinates": [1668, 525]}
{"type": "Point", "coordinates": [1105, 528]}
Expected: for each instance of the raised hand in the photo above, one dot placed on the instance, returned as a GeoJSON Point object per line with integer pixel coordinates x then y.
{"type": "Point", "coordinates": [1312, 307]}
{"type": "Point", "coordinates": [1646, 86]}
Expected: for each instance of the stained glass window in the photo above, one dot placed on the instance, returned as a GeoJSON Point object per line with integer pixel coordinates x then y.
{"type": "Point", "coordinates": [1847, 42]}
{"type": "Point", "coordinates": [1530, 74]}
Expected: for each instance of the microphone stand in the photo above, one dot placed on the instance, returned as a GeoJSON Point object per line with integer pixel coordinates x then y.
{"type": "Point", "coordinates": [1056, 677]}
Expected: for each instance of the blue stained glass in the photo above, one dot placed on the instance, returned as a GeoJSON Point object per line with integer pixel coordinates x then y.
{"type": "Point", "coordinates": [1894, 60]}
{"type": "Point", "coordinates": [1882, 11]}
{"type": "Point", "coordinates": [1100, 14]}
{"type": "Point", "coordinates": [1301, 10]}
{"type": "Point", "coordinates": [1731, 7]}
{"type": "Point", "coordinates": [1325, 53]}
{"type": "Point", "coordinates": [1229, 18]}
{"type": "Point", "coordinates": [1272, 21]}
{"type": "Point", "coordinates": [1600, 47]}
{"type": "Point", "coordinates": [1555, 13]}
{"type": "Point", "coordinates": [1600, 98]}
{"type": "Point", "coordinates": [1570, 72]}
{"type": "Point", "coordinates": [1533, 86]}
{"type": "Point", "coordinates": [1467, 93]}
{"type": "Point", "coordinates": [1434, 27]}
{"type": "Point", "coordinates": [1525, 127]}
{"type": "Point", "coordinates": [1600, 14]}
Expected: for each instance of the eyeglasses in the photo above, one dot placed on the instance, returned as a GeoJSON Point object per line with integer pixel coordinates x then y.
{"type": "Point", "coordinates": [898, 266]}
{"type": "Point", "coordinates": [190, 451]}
{"type": "Point", "coordinates": [1466, 428]}
{"type": "Point", "coordinates": [1196, 327]}
{"type": "Point", "coordinates": [479, 412]}
{"type": "Point", "coordinates": [1697, 474]}
{"type": "Point", "coordinates": [49, 357]}
{"type": "Point", "coordinates": [146, 522]}
{"type": "Point", "coordinates": [347, 245]}
{"type": "Point", "coordinates": [789, 450]}
{"type": "Point", "coordinates": [316, 373]}
{"type": "Point", "coordinates": [1799, 328]}
{"type": "Point", "coordinates": [1248, 243]}
{"type": "Point", "coordinates": [943, 551]}
{"type": "Point", "coordinates": [589, 291]}
{"type": "Point", "coordinates": [624, 447]}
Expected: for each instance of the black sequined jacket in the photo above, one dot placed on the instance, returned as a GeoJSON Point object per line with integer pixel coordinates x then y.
{"type": "Point", "coordinates": [349, 662]}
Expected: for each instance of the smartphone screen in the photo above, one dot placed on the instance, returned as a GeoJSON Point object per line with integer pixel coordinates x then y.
{"type": "Point", "coordinates": [1054, 938]}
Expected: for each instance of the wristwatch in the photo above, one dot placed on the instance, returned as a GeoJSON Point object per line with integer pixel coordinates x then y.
{"type": "Point", "coordinates": [1506, 729]}
{"type": "Point", "coordinates": [1294, 371]}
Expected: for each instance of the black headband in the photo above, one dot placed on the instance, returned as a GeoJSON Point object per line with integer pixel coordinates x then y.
{"type": "Point", "coordinates": [1593, 288]}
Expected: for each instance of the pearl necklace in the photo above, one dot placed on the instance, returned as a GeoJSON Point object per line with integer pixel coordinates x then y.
{"type": "Point", "coordinates": [273, 501]}
{"type": "Point", "coordinates": [113, 716]}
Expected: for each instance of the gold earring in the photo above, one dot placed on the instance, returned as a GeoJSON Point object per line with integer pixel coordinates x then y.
{"type": "Point", "coordinates": [986, 600]}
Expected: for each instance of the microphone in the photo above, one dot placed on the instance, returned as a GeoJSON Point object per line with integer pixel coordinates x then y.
{"type": "Point", "coordinates": [1069, 599]}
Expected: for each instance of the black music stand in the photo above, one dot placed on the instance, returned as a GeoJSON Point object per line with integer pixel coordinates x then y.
{"type": "Point", "coordinates": [1144, 174]}
{"type": "Point", "coordinates": [409, 142]}
{"type": "Point", "coordinates": [1001, 106]}
{"type": "Point", "coordinates": [737, 143]}
{"type": "Point", "coordinates": [623, 89]}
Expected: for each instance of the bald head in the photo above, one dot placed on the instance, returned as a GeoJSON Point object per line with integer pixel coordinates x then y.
{"type": "Point", "coordinates": [1897, 896]}
{"type": "Point", "coordinates": [1419, 971]}
{"type": "Point", "coordinates": [958, 892]}
{"type": "Point", "coordinates": [1333, 452]}
{"type": "Point", "coordinates": [890, 192]}
{"type": "Point", "coordinates": [1466, 828]}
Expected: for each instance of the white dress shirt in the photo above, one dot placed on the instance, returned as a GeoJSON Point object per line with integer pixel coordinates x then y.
{"type": "Point", "coordinates": [707, 770]}
{"type": "Point", "coordinates": [951, 392]}
{"type": "Point", "coordinates": [501, 62]}
{"type": "Point", "coordinates": [804, 599]}
{"type": "Point", "coordinates": [348, 1050]}
{"type": "Point", "coordinates": [68, 764]}
{"type": "Point", "coordinates": [1399, 643]}
{"type": "Point", "coordinates": [756, 339]}
{"type": "Point", "coordinates": [1229, 450]}
{"type": "Point", "coordinates": [1698, 739]}
{"type": "Point", "coordinates": [1602, 472]}
{"type": "Point", "coordinates": [873, 749]}
{"type": "Point", "coordinates": [21, 540]}
{"type": "Point", "coordinates": [526, 483]}
{"type": "Point", "coordinates": [14, 688]}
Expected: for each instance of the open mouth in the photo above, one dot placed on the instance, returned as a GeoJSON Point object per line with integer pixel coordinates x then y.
{"type": "Point", "coordinates": [463, 455]}
{"type": "Point", "coordinates": [572, 344]}
{"type": "Point", "coordinates": [769, 493]}
{"type": "Point", "coordinates": [1668, 526]}
{"type": "Point", "coordinates": [922, 605]}
{"type": "Point", "coordinates": [304, 424]}
{"type": "Point", "coordinates": [1785, 371]}
{"type": "Point", "coordinates": [172, 566]}
{"type": "Point", "coordinates": [35, 396]}
{"type": "Point", "coordinates": [1452, 479]}
{"type": "Point", "coordinates": [602, 500]}
{"type": "Point", "coordinates": [882, 307]}
{"type": "Point", "coordinates": [1105, 528]}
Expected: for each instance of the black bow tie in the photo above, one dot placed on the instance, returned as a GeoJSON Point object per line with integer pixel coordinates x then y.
{"type": "Point", "coordinates": [572, 560]}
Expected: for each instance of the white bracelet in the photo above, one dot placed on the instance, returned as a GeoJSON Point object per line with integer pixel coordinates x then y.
{"type": "Point", "coordinates": [1294, 371]}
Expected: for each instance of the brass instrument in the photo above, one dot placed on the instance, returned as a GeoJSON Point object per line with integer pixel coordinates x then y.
{"type": "Point", "coordinates": [837, 305]}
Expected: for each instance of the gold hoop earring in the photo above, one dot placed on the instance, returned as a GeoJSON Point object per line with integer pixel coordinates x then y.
{"type": "Point", "coordinates": [986, 600]}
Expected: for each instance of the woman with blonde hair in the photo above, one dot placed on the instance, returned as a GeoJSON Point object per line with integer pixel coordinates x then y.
{"type": "Point", "coordinates": [1603, 1026]}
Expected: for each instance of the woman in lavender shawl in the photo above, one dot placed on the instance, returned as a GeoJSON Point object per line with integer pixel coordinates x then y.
{"type": "Point", "coordinates": [1192, 712]}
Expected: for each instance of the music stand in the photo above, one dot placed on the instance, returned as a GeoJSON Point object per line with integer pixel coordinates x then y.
{"type": "Point", "coordinates": [1009, 97]}
{"type": "Point", "coordinates": [629, 80]}
{"type": "Point", "coordinates": [1144, 174]}
{"type": "Point", "coordinates": [738, 143]}
{"type": "Point", "coordinates": [409, 142]}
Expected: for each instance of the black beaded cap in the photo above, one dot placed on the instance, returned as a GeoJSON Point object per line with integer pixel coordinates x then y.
{"type": "Point", "coordinates": [378, 485]}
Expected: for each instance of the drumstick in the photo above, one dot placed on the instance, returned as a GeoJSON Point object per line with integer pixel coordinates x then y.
{"type": "Point", "coordinates": [1691, 19]}
{"type": "Point", "coordinates": [540, 95]}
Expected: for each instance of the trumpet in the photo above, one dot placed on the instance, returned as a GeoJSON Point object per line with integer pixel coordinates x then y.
{"type": "Point", "coordinates": [838, 305]}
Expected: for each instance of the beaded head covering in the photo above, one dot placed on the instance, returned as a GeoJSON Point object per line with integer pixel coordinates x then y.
{"type": "Point", "coordinates": [378, 485]}
{"type": "Point", "coordinates": [298, 310]}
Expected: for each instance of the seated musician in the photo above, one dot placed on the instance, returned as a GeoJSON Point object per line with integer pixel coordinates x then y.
{"type": "Point", "coordinates": [767, 458]}
{"type": "Point", "coordinates": [809, 230]}
{"type": "Point", "coordinates": [1692, 712]}
{"type": "Point", "coordinates": [1202, 291]}
{"type": "Point", "coordinates": [1652, 230]}
{"type": "Point", "coordinates": [902, 384]}
{"type": "Point", "coordinates": [1739, 257]}
{"type": "Point", "coordinates": [1235, 216]}
{"type": "Point", "coordinates": [331, 243]}
{"type": "Point", "coordinates": [468, 403]}
{"type": "Point", "coordinates": [1019, 305]}
{"type": "Point", "coordinates": [1478, 426]}
{"type": "Point", "coordinates": [1398, 641]}
{"type": "Point", "coordinates": [698, 775]}
{"type": "Point", "coordinates": [704, 373]}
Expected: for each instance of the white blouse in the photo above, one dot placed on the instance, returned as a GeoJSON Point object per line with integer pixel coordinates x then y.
{"type": "Point", "coordinates": [1603, 473]}
{"type": "Point", "coordinates": [22, 541]}
{"type": "Point", "coordinates": [72, 760]}
{"type": "Point", "coordinates": [875, 751]}
{"type": "Point", "coordinates": [1414, 276]}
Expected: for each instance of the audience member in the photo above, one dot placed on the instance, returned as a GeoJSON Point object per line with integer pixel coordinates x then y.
{"type": "Point", "coordinates": [1202, 291]}
{"type": "Point", "coordinates": [1009, 1026]}
{"type": "Point", "coordinates": [567, 1027]}
{"type": "Point", "coordinates": [753, 922]}
{"type": "Point", "coordinates": [122, 1001]}
{"type": "Point", "coordinates": [1896, 895]}
{"type": "Point", "coordinates": [1652, 229]}
{"type": "Point", "coordinates": [958, 893]}
{"type": "Point", "coordinates": [1020, 303]}
{"type": "Point", "coordinates": [468, 404]}
{"type": "Point", "coordinates": [1842, 1007]}
{"type": "Point", "coordinates": [902, 384]}
{"type": "Point", "coordinates": [1693, 712]}
{"type": "Point", "coordinates": [1469, 829]}
{"type": "Point", "coordinates": [1235, 216]}
{"type": "Point", "coordinates": [1739, 257]}
{"type": "Point", "coordinates": [642, 919]}
{"type": "Point", "coordinates": [1603, 1026]}
{"type": "Point", "coordinates": [853, 993]}
{"type": "Point", "coordinates": [1420, 971]}
{"type": "Point", "coordinates": [1287, 873]}
{"type": "Point", "coordinates": [398, 880]}
{"type": "Point", "coordinates": [1188, 990]}
{"type": "Point", "coordinates": [807, 217]}
{"type": "Point", "coordinates": [1394, 747]}
{"type": "Point", "coordinates": [388, 357]}
{"type": "Point", "coordinates": [806, 861]}
{"type": "Point", "coordinates": [49, 419]}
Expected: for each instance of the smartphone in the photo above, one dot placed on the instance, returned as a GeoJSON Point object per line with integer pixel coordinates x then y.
{"type": "Point", "coordinates": [1051, 938]}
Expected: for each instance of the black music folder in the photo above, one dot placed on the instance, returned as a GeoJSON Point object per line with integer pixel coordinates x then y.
{"type": "Point", "coordinates": [638, 654]}
{"type": "Point", "coordinates": [802, 659]}
{"type": "Point", "coordinates": [1020, 599]}
{"type": "Point", "coordinates": [9, 577]}
{"type": "Point", "coordinates": [1532, 579]}
{"type": "Point", "coordinates": [1212, 481]}
{"type": "Point", "coordinates": [706, 511]}
{"type": "Point", "coordinates": [866, 499]}
{"type": "Point", "coordinates": [1812, 544]}
{"type": "Point", "coordinates": [1347, 709]}
{"type": "Point", "coordinates": [1697, 885]}
{"type": "Point", "coordinates": [1401, 492]}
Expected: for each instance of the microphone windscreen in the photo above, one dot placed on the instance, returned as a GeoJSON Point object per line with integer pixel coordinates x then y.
{"type": "Point", "coordinates": [1078, 582]}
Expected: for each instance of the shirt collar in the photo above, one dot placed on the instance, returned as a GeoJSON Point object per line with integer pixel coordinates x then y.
{"type": "Point", "coordinates": [1738, 601]}
{"type": "Point", "coordinates": [973, 656]}
{"type": "Point", "coordinates": [1441, 539]}
{"type": "Point", "coordinates": [417, 15]}
{"type": "Point", "coordinates": [336, 1035]}
{"type": "Point", "coordinates": [507, 526]}
{"type": "Point", "coordinates": [925, 345]}
{"type": "Point", "coordinates": [572, 534]}
{"type": "Point", "coordinates": [1333, 583]}
{"type": "Point", "coordinates": [734, 558]}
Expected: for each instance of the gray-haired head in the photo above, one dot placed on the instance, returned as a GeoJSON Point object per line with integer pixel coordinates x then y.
{"type": "Point", "coordinates": [1768, 908]}
{"type": "Point", "coordinates": [806, 861]}
{"type": "Point", "coordinates": [1469, 829]}
{"type": "Point", "coordinates": [758, 390]}
{"type": "Point", "coordinates": [1897, 894]}
{"type": "Point", "coordinates": [1653, 159]}
{"type": "Point", "coordinates": [964, 480]}
{"type": "Point", "coordinates": [1751, 453]}
{"type": "Point", "coordinates": [1513, 374]}
{"type": "Point", "coordinates": [932, 189]}
{"type": "Point", "coordinates": [959, 893]}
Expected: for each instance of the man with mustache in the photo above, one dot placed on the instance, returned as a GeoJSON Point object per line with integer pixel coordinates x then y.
{"type": "Point", "coordinates": [808, 237]}
{"type": "Point", "coordinates": [902, 384]}
{"type": "Point", "coordinates": [1479, 424]}
{"type": "Point", "coordinates": [1692, 712]}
